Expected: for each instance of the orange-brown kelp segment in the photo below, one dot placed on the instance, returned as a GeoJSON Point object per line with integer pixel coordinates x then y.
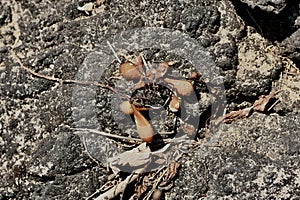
{"type": "Point", "coordinates": [183, 87]}
{"type": "Point", "coordinates": [126, 107]}
{"type": "Point", "coordinates": [129, 71]}
{"type": "Point", "coordinates": [143, 126]}
{"type": "Point", "coordinates": [174, 104]}
{"type": "Point", "coordinates": [161, 70]}
{"type": "Point", "coordinates": [142, 108]}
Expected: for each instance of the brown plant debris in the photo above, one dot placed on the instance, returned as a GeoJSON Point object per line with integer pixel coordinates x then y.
{"type": "Point", "coordinates": [140, 159]}
{"type": "Point", "coordinates": [260, 105]}
{"type": "Point", "coordinates": [239, 114]}
{"type": "Point", "coordinates": [172, 170]}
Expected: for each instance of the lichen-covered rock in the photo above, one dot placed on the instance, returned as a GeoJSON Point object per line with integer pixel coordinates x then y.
{"type": "Point", "coordinates": [257, 67]}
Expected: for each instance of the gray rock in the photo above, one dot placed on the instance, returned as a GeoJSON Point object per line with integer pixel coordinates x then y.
{"type": "Point", "coordinates": [275, 6]}
{"type": "Point", "coordinates": [272, 22]}
{"type": "Point", "coordinates": [291, 45]}
{"type": "Point", "coordinates": [248, 159]}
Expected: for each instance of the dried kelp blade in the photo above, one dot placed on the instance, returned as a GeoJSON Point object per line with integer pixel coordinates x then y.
{"type": "Point", "coordinates": [143, 126]}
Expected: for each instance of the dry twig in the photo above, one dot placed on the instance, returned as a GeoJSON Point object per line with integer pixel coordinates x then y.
{"type": "Point", "coordinates": [67, 81]}
{"type": "Point", "coordinates": [107, 134]}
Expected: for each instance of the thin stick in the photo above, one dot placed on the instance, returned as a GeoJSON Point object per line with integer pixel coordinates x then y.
{"type": "Point", "coordinates": [273, 105]}
{"type": "Point", "coordinates": [115, 54]}
{"type": "Point", "coordinates": [107, 134]}
{"type": "Point", "coordinates": [144, 61]}
{"type": "Point", "coordinates": [103, 187]}
{"type": "Point", "coordinates": [147, 197]}
{"type": "Point", "coordinates": [52, 78]}
{"type": "Point", "coordinates": [171, 140]}
{"type": "Point", "coordinates": [250, 15]}
{"type": "Point", "coordinates": [88, 152]}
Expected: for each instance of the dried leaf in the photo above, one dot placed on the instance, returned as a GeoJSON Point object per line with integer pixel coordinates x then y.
{"type": "Point", "coordinates": [141, 186]}
{"type": "Point", "coordinates": [259, 105]}
{"type": "Point", "coordinates": [138, 157]}
{"type": "Point", "coordinates": [140, 190]}
{"type": "Point", "coordinates": [143, 126]}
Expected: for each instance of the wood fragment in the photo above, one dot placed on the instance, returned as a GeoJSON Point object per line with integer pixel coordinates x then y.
{"type": "Point", "coordinates": [239, 114]}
